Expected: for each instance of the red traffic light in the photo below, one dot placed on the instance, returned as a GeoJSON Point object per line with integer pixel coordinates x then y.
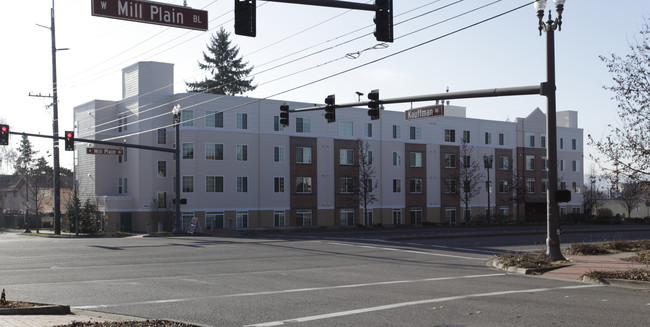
{"type": "Point", "coordinates": [69, 135]}
{"type": "Point", "coordinates": [4, 128]}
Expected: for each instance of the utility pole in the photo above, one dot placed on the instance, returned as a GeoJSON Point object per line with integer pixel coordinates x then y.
{"type": "Point", "coordinates": [55, 128]}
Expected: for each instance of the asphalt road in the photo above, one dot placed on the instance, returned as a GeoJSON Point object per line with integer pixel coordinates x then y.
{"type": "Point", "coordinates": [331, 279]}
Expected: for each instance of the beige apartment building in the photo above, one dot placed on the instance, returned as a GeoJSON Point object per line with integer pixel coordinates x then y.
{"type": "Point", "coordinates": [241, 169]}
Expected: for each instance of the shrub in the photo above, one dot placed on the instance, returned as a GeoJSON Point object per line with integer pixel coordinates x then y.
{"type": "Point", "coordinates": [586, 249]}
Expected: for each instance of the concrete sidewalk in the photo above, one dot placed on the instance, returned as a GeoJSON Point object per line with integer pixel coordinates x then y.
{"type": "Point", "coordinates": [588, 263]}
{"type": "Point", "coordinates": [57, 320]}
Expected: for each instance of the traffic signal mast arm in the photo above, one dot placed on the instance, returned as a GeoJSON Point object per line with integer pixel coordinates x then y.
{"type": "Point", "coordinates": [486, 93]}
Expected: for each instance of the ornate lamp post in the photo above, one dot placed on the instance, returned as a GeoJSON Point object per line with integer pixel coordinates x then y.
{"type": "Point", "coordinates": [487, 162]}
{"type": "Point", "coordinates": [178, 227]}
{"type": "Point", "coordinates": [548, 90]}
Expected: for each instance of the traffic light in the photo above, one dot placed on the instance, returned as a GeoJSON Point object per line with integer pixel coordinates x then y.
{"type": "Point", "coordinates": [69, 141]}
{"type": "Point", "coordinates": [330, 114]}
{"type": "Point", "coordinates": [373, 112]}
{"type": "Point", "coordinates": [284, 115]}
{"type": "Point", "coordinates": [245, 17]}
{"type": "Point", "coordinates": [4, 134]}
{"type": "Point", "coordinates": [384, 20]}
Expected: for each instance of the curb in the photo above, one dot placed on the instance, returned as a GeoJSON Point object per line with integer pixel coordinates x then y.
{"type": "Point", "coordinates": [625, 283]}
{"type": "Point", "coordinates": [521, 271]}
{"type": "Point", "coordinates": [37, 310]}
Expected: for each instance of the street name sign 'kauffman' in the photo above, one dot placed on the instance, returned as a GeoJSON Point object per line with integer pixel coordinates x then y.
{"type": "Point", "coordinates": [152, 13]}
{"type": "Point", "coordinates": [424, 112]}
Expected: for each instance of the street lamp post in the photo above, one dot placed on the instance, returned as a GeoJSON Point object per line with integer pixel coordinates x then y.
{"type": "Point", "coordinates": [487, 162]}
{"type": "Point", "coordinates": [548, 90]}
{"type": "Point", "coordinates": [178, 227]}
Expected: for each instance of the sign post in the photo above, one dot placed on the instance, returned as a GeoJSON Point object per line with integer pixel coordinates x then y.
{"type": "Point", "coordinates": [151, 13]}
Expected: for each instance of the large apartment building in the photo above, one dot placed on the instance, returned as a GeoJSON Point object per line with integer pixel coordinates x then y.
{"type": "Point", "coordinates": [240, 168]}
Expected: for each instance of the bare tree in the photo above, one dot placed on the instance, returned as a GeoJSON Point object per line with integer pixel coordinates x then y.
{"type": "Point", "coordinates": [632, 194]}
{"type": "Point", "coordinates": [628, 146]}
{"type": "Point", "coordinates": [366, 179]}
{"type": "Point", "coordinates": [469, 177]}
{"type": "Point", "coordinates": [593, 197]}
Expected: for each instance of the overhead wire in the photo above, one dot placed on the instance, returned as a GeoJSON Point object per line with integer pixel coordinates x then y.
{"type": "Point", "coordinates": [381, 45]}
{"type": "Point", "coordinates": [343, 71]}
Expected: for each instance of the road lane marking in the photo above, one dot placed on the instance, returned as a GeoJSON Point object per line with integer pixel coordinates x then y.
{"type": "Point", "coordinates": [412, 251]}
{"type": "Point", "coordinates": [295, 290]}
{"type": "Point", "coordinates": [411, 303]}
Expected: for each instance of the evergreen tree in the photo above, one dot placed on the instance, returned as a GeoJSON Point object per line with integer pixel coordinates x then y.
{"type": "Point", "coordinates": [229, 72]}
{"type": "Point", "coordinates": [25, 160]}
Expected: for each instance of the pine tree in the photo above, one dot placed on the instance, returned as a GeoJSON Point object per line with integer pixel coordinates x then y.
{"type": "Point", "coordinates": [229, 72]}
{"type": "Point", "coordinates": [25, 161]}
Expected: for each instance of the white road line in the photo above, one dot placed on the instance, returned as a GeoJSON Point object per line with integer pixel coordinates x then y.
{"type": "Point", "coordinates": [412, 251]}
{"type": "Point", "coordinates": [296, 290]}
{"type": "Point", "coordinates": [405, 304]}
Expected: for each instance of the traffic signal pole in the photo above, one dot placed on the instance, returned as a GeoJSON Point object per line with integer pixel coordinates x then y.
{"type": "Point", "coordinates": [486, 93]}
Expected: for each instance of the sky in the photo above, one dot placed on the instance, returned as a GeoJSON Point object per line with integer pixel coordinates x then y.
{"type": "Point", "coordinates": [304, 53]}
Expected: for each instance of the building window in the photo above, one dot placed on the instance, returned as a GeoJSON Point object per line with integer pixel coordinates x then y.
{"type": "Point", "coordinates": [188, 184]}
{"type": "Point", "coordinates": [450, 160]}
{"type": "Point", "coordinates": [504, 163]}
{"type": "Point", "coordinates": [415, 185]}
{"type": "Point", "coordinates": [530, 140]}
{"type": "Point", "coordinates": [278, 219]}
{"type": "Point", "coordinates": [502, 139]}
{"type": "Point", "coordinates": [303, 155]}
{"type": "Point", "coordinates": [346, 157]}
{"type": "Point", "coordinates": [242, 219]}
{"type": "Point", "coordinates": [416, 216]}
{"type": "Point", "coordinates": [242, 120]}
{"type": "Point", "coordinates": [544, 164]}
{"type": "Point", "coordinates": [162, 168]}
{"type": "Point", "coordinates": [561, 143]}
{"type": "Point", "coordinates": [303, 125]}
{"type": "Point", "coordinates": [450, 215]}
{"type": "Point", "coordinates": [450, 135]}
{"type": "Point", "coordinates": [242, 152]}
{"type": "Point", "coordinates": [367, 157]}
{"type": "Point", "coordinates": [397, 216]}
{"type": "Point", "coordinates": [504, 211]}
{"type": "Point", "coordinates": [488, 138]}
{"type": "Point", "coordinates": [530, 185]}
{"type": "Point", "coordinates": [187, 118]}
{"type": "Point", "coordinates": [278, 184]}
{"type": "Point", "coordinates": [214, 119]}
{"type": "Point", "coordinates": [396, 131]}
{"type": "Point", "coordinates": [278, 154]}
{"type": "Point", "coordinates": [367, 130]}
{"type": "Point", "coordinates": [397, 185]}
{"type": "Point", "coordinates": [574, 144]}
{"type": "Point", "coordinates": [562, 165]}
{"type": "Point", "coordinates": [213, 151]}
{"type": "Point", "coordinates": [162, 136]}
{"type": "Point", "coordinates": [368, 217]}
{"type": "Point", "coordinates": [242, 184]}
{"type": "Point", "coordinates": [450, 186]}
{"type": "Point", "coordinates": [415, 133]}
{"type": "Point", "coordinates": [120, 187]}
{"type": "Point", "coordinates": [467, 161]}
{"type": "Point", "coordinates": [214, 184]}
{"type": "Point", "coordinates": [303, 217]}
{"type": "Point", "coordinates": [162, 200]}
{"type": "Point", "coordinates": [346, 128]}
{"type": "Point", "coordinates": [544, 185]}
{"type": "Point", "coordinates": [397, 159]}
{"type": "Point", "coordinates": [530, 162]}
{"type": "Point", "coordinates": [504, 186]}
{"type": "Point", "coordinates": [575, 187]}
{"type": "Point", "coordinates": [542, 140]}
{"type": "Point", "coordinates": [574, 165]}
{"type": "Point", "coordinates": [188, 150]}
{"type": "Point", "coordinates": [303, 185]}
{"type": "Point", "coordinates": [415, 159]}
{"type": "Point", "coordinates": [347, 217]}
{"type": "Point", "coordinates": [466, 137]}
{"type": "Point", "coordinates": [562, 185]}
{"type": "Point", "coordinates": [277, 127]}
{"type": "Point", "coordinates": [346, 185]}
